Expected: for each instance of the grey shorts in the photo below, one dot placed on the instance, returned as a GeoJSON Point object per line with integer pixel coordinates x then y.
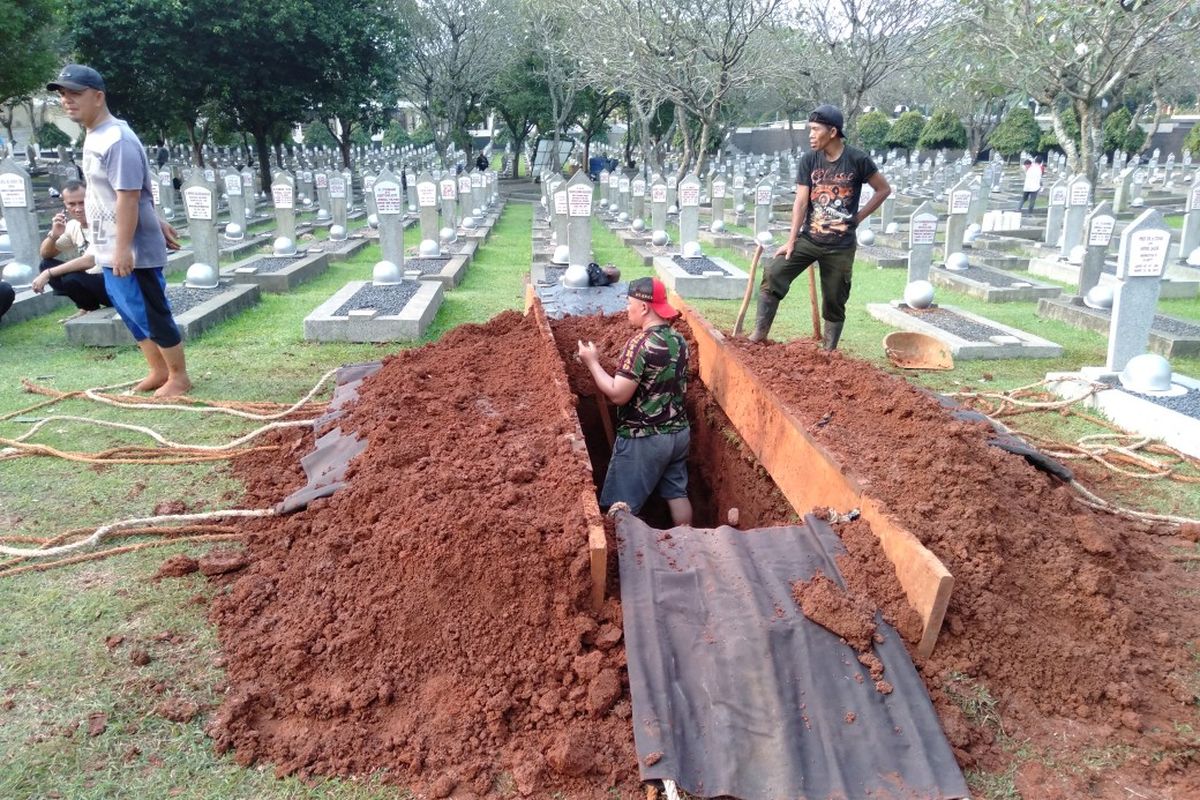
{"type": "Point", "coordinates": [642, 464]}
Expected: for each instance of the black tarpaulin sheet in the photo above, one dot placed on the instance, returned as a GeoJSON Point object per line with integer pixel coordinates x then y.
{"type": "Point", "coordinates": [742, 696]}
{"type": "Point", "coordinates": [326, 465]}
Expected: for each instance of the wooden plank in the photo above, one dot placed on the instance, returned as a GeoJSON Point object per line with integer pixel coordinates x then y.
{"type": "Point", "coordinates": [597, 541]}
{"type": "Point", "coordinates": [810, 477]}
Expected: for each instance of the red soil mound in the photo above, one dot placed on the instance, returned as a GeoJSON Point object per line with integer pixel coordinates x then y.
{"type": "Point", "coordinates": [431, 619]}
{"type": "Point", "coordinates": [1072, 623]}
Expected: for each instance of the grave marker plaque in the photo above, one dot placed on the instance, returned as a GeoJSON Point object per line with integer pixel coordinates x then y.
{"type": "Point", "coordinates": [958, 203]}
{"type": "Point", "coordinates": [1054, 212]}
{"type": "Point", "coordinates": [1099, 225]}
{"type": "Point", "coordinates": [199, 204]}
{"type": "Point", "coordinates": [1140, 263]}
{"type": "Point", "coordinates": [922, 233]}
{"type": "Point", "coordinates": [16, 198]}
{"type": "Point", "coordinates": [337, 200]}
{"type": "Point", "coordinates": [1190, 234]}
{"type": "Point", "coordinates": [236, 199]}
{"type": "Point", "coordinates": [764, 194]}
{"type": "Point", "coordinates": [1079, 195]}
{"type": "Point", "coordinates": [283, 194]}
{"type": "Point", "coordinates": [390, 202]}
{"type": "Point", "coordinates": [579, 212]}
{"type": "Point", "coordinates": [658, 207]}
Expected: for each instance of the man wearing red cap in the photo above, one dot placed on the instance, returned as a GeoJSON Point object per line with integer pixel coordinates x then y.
{"type": "Point", "coordinates": [651, 446]}
{"type": "Point", "coordinates": [825, 215]}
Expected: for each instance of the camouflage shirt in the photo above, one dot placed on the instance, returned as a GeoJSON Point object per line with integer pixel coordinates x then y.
{"type": "Point", "coordinates": [657, 359]}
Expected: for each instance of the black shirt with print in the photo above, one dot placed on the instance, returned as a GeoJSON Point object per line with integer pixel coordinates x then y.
{"type": "Point", "coordinates": [834, 191]}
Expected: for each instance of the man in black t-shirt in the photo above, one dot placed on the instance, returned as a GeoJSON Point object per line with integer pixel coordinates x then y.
{"type": "Point", "coordinates": [825, 216]}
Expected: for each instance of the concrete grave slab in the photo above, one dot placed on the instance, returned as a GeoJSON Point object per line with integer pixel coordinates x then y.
{"type": "Point", "coordinates": [1134, 412]}
{"type": "Point", "coordinates": [1176, 284]}
{"type": "Point", "coordinates": [104, 328]}
{"type": "Point", "coordinates": [968, 336]}
{"type": "Point", "coordinates": [333, 322]}
{"type": "Point", "coordinates": [705, 277]}
{"type": "Point", "coordinates": [1169, 336]}
{"type": "Point", "coordinates": [992, 285]}
{"type": "Point", "coordinates": [279, 274]}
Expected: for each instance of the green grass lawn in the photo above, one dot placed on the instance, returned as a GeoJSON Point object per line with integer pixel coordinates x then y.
{"type": "Point", "coordinates": [54, 665]}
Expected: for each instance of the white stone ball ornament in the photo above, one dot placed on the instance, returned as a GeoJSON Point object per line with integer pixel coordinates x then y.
{"type": "Point", "coordinates": [576, 277]}
{"type": "Point", "coordinates": [386, 273]}
{"type": "Point", "coordinates": [448, 235]}
{"type": "Point", "coordinates": [337, 233]}
{"type": "Point", "coordinates": [201, 276]}
{"type": "Point", "coordinates": [957, 262]}
{"type": "Point", "coordinates": [638, 224]}
{"type": "Point", "coordinates": [692, 250]}
{"type": "Point", "coordinates": [373, 220]}
{"type": "Point", "coordinates": [18, 274]}
{"type": "Point", "coordinates": [283, 246]}
{"type": "Point", "coordinates": [660, 239]}
{"type": "Point", "coordinates": [562, 255]}
{"type": "Point", "coordinates": [429, 248]}
{"type": "Point", "coordinates": [1099, 297]}
{"type": "Point", "coordinates": [866, 237]}
{"type": "Point", "coordinates": [918, 294]}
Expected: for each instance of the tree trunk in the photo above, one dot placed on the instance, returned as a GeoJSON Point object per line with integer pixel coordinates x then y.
{"type": "Point", "coordinates": [264, 160]}
{"type": "Point", "coordinates": [518, 145]}
{"type": "Point", "coordinates": [702, 147]}
{"type": "Point", "coordinates": [1091, 139]}
{"type": "Point", "coordinates": [197, 144]}
{"type": "Point", "coordinates": [344, 142]}
{"type": "Point", "coordinates": [685, 130]}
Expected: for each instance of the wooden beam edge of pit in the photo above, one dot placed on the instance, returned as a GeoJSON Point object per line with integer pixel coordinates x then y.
{"type": "Point", "coordinates": [809, 476]}
{"type": "Point", "coordinates": [597, 540]}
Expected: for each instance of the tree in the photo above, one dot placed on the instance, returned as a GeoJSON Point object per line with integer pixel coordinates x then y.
{"type": "Point", "coordinates": [158, 71]}
{"type": "Point", "coordinates": [522, 100]}
{"type": "Point", "coordinates": [1192, 142]}
{"type": "Point", "coordinates": [50, 135]}
{"type": "Point", "coordinates": [29, 50]}
{"type": "Point", "coordinates": [1122, 132]}
{"type": "Point", "coordinates": [1073, 56]}
{"type": "Point", "coordinates": [1068, 126]}
{"type": "Point", "coordinates": [906, 130]}
{"type": "Point", "coordinates": [848, 47]}
{"type": "Point", "coordinates": [361, 47]}
{"type": "Point", "coordinates": [1018, 133]}
{"type": "Point", "coordinates": [871, 130]}
{"type": "Point", "coordinates": [703, 55]}
{"type": "Point", "coordinates": [457, 50]}
{"type": "Point", "coordinates": [943, 131]}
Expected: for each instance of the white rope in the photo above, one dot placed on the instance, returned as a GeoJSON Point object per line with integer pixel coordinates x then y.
{"type": "Point", "coordinates": [104, 530]}
{"type": "Point", "coordinates": [93, 394]}
{"type": "Point", "coordinates": [159, 437]}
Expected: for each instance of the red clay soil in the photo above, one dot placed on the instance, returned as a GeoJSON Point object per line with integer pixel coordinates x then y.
{"type": "Point", "coordinates": [1075, 623]}
{"type": "Point", "coordinates": [836, 610]}
{"type": "Point", "coordinates": [431, 620]}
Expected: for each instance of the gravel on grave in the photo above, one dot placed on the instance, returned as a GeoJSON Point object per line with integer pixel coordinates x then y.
{"type": "Point", "coordinates": [1161, 324]}
{"type": "Point", "coordinates": [269, 264]}
{"type": "Point", "coordinates": [954, 323]}
{"type": "Point", "coordinates": [428, 266]}
{"type": "Point", "coordinates": [554, 274]}
{"type": "Point", "coordinates": [1187, 404]}
{"type": "Point", "coordinates": [879, 251]}
{"type": "Point", "coordinates": [990, 277]}
{"type": "Point", "coordinates": [698, 266]}
{"type": "Point", "coordinates": [387, 300]}
{"type": "Point", "coordinates": [185, 298]}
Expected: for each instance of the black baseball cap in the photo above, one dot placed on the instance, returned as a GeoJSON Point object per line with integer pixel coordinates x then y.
{"type": "Point", "coordinates": [77, 77]}
{"type": "Point", "coordinates": [831, 116]}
